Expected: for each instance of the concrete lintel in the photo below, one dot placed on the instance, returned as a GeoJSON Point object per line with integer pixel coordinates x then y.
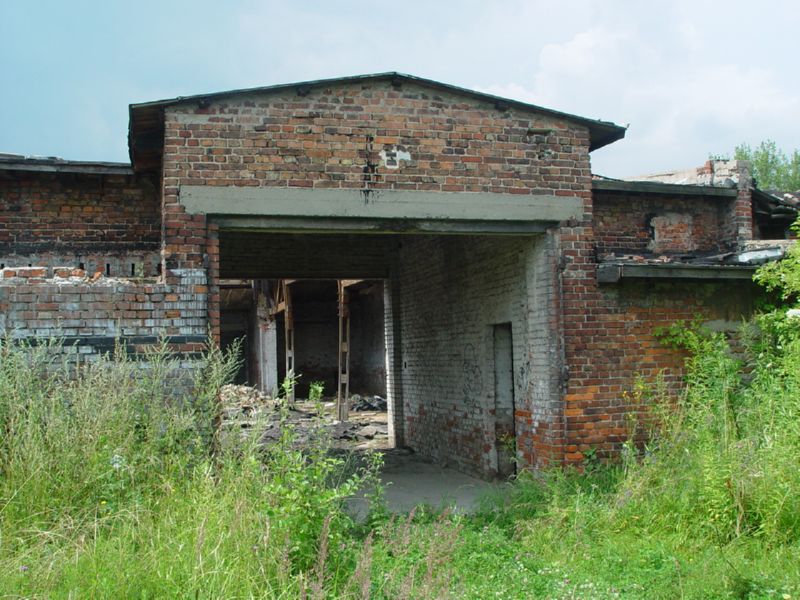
{"type": "Point", "coordinates": [339, 225]}
{"type": "Point", "coordinates": [378, 204]}
{"type": "Point", "coordinates": [612, 273]}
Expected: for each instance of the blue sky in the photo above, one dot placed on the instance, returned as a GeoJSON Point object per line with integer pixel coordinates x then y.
{"type": "Point", "coordinates": [690, 77]}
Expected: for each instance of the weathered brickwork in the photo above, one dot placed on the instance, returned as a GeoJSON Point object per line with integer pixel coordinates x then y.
{"type": "Point", "coordinates": [655, 224]}
{"type": "Point", "coordinates": [90, 313]}
{"type": "Point", "coordinates": [377, 137]}
{"type": "Point", "coordinates": [107, 223]}
{"type": "Point", "coordinates": [80, 256]}
{"type": "Point", "coordinates": [339, 137]}
{"type": "Point", "coordinates": [453, 291]}
{"type": "Point", "coordinates": [617, 347]}
{"type": "Point", "coordinates": [609, 343]}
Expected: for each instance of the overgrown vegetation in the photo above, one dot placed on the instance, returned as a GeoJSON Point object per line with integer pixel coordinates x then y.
{"type": "Point", "coordinates": [108, 489]}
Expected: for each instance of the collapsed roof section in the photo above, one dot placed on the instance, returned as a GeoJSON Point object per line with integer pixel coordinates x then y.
{"type": "Point", "coordinates": [773, 213]}
{"type": "Point", "coordinates": [146, 126]}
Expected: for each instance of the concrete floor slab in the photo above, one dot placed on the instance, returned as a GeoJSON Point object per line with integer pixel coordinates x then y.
{"type": "Point", "coordinates": [410, 480]}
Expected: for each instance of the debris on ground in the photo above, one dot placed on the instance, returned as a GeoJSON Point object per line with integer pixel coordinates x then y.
{"type": "Point", "coordinates": [364, 403]}
{"type": "Point", "coordinates": [247, 411]}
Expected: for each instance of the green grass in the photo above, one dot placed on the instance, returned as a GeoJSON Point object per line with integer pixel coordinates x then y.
{"type": "Point", "coordinates": [108, 489]}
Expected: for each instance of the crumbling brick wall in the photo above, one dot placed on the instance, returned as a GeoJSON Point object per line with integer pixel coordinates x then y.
{"type": "Point", "coordinates": [658, 224]}
{"type": "Point", "coordinates": [106, 223]}
{"type": "Point", "coordinates": [579, 345]}
{"type": "Point", "coordinates": [80, 255]}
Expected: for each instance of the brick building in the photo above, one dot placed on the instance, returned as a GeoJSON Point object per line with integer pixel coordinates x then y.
{"type": "Point", "coordinates": [502, 297]}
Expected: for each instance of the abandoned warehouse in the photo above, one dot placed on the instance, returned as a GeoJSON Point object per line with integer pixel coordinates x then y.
{"type": "Point", "coordinates": [392, 236]}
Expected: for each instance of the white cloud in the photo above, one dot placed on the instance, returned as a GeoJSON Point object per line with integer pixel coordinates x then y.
{"type": "Point", "coordinates": [679, 110]}
{"type": "Point", "coordinates": [690, 76]}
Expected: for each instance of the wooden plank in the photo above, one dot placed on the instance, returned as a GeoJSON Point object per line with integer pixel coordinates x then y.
{"type": "Point", "coordinates": [288, 322]}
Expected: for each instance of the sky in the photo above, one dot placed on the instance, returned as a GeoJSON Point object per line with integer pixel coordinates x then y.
{"type": "Point", "coordinates": [689, 78]}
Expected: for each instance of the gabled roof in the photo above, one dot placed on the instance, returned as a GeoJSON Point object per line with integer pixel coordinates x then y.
{"type": "Point", "coordinates": [145, 133]}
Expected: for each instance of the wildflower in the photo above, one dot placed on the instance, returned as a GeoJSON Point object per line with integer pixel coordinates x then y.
{"type": "Point", "coordinates": [117, 462]}
{"type": "Point", "coordinates": [23, 568]}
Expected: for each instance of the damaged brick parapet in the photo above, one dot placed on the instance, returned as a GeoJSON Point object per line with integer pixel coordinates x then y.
{"type": "Point", "coordinates": [737, 223]}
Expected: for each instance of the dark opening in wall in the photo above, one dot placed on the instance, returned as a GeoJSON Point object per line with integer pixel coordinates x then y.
{"type": "Point", "coordinates": [236, 319]}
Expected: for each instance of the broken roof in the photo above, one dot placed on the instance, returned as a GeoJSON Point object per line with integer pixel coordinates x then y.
{"type": "Point", "coordinates": [715, 178]}
{"type": "Point", "coordinates": [713, 173]}
{"type": "Point", "coordinates": [145, 131]}
{"type": "Point", "coordinates": [729, 265]}
{"type": "Point", "coordinates": [53, 164]}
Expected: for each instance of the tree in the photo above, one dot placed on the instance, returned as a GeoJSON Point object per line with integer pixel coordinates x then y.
{"type": "Point", "coordinates": [772, 168]}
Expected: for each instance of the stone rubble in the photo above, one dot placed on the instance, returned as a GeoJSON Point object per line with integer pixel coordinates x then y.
{"type": "Point", "coordinates": [245, 411]}
{"type": "Point", "coordinates": [365, 403]}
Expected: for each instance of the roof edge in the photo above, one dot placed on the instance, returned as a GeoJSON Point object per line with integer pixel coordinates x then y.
{"type": "Point", "coordinates": [601, 133]}
{"type": "Point", "coordinates": [52, 164]}
{"type": "Point", "coordinates": [652, 187]}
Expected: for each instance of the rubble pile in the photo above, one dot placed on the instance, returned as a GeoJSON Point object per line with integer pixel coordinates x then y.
{"type": "Point", "coordinates": [246, 411]}
{"type": "Point", "coordinates": [364, 403]}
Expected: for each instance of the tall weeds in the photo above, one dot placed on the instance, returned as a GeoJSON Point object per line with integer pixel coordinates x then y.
{"type": "Point", "coordinates": [107, 487]}
{"type": "Point", "coordinates": [724, 462]}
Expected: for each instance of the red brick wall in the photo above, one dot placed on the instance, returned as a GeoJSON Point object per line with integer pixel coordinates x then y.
{"type": "Point", "coordinates": [650, 224]}
{"type": "Point", "coordinates": [332, 138]}
{"type": "Point", "coordinates": [72, 215]}
{"type": "Point", "coordinates": [592, 341]}
{"type": "Point", "coordinates": [611, 344]}
{"type": "Point", "coordinates": [109, 224]}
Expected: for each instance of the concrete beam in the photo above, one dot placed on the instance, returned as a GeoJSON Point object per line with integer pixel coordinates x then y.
{"type": "Point", "coordinates": [612, 273]}
{"type": "Point", "coordinates": [344, 225]}
{"type": "Point", "coordinates": [378, 204]}
{"type": "Point", "coordinates": [671, 189]}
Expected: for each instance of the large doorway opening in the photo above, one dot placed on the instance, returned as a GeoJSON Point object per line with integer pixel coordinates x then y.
{"type": "Point", "coordinates": [423, 322]}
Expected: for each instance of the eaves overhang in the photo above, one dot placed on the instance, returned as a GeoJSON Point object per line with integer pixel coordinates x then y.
{"type": "Point", "coordinates": [614, 272]}
{"type": "Point", "coordinates": [667, 189]}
